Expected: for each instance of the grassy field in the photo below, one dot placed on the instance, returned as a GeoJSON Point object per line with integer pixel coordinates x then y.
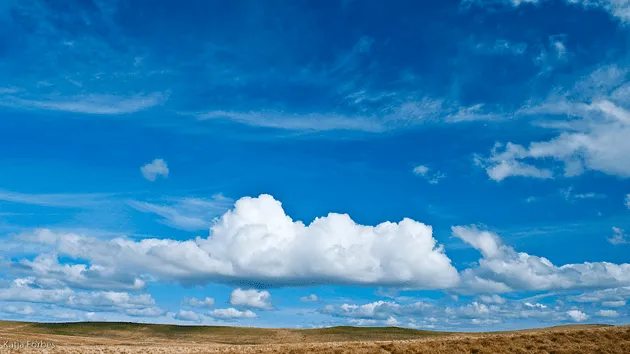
{"type": "Point", "coordinates": [95, 337]}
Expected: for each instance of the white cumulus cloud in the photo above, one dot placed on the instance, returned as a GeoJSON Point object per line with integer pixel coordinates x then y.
{"type": "Point", "coordinates": [251, 298]}
{"type": "Point", "coordinates": [493, 299]}
{"type": "Point", "coordinates": [535, 305]}
{"type": "Point", "coordinates": [231, 314]}
{"type": "Point", "coordinates": [577, 315]}
{"type": "Point", "coordinates": [502, 269]}
{"type": "Point", "coordinates": [207, 302]}
{"type": "Point", "coordinates": [154, 169]}
{"type": "Point", "coordinates": [257, 243]}
{"type": "Point", "coordinates": [185, 315]}
{"type": "Point", "coordinates": [310, 298]}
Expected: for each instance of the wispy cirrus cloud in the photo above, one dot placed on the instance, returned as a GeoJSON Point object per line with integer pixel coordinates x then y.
{"type": "Point", "coordinates": [88, 200]}
{"type": "Point", "coordinates": [570, 195]}
{"type": "Point", "coordinates": [620, 9]}
{"type": "Point", "coordinates": [305, 122]}
{"type": "Point", "coordinates": [88, 68]}
{"type": "Point", "coordinates": [98, 104]}
{"type": "Point", "coordinates": [619, 237]}
{"type": "Point", "coordinates": [426, 173]}
{"type": "Point", "coordinates": [392, 115]}
{"type": "Point", "coordinates": [187, 213]}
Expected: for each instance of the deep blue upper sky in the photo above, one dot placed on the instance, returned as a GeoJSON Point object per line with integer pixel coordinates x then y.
{"type": "Point", "coordinates": [146, 147]}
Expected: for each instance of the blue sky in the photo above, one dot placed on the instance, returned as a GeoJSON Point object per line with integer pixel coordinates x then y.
{"type": "Point", "coordinates": [452, 166]}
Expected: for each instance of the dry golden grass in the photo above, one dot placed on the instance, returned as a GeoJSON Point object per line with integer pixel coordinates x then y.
{"type": "Point", "coordinates": [136, 339]}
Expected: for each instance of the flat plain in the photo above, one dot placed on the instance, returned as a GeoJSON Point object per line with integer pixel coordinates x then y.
{"type": "Point", "coordinates": [132, 338]}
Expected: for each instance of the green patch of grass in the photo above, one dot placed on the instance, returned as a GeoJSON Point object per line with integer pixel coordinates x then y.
{"type": "Point", "coordinates": [369, 333]}
{"type": "Point", "coordinates": [84, 328]}
{"type": "Point", "coordinates": [209, 330]}
{"type": "Point", "coordinates": [218, 334]}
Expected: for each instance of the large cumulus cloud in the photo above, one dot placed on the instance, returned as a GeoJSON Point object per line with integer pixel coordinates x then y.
{"type": "Point", "coordinates": [257, 243]}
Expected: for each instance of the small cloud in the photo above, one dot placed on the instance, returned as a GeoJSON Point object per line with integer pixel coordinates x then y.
{"type": "Point", "coordinates": [619, 237]}
{"type": "Point", "coordinates": [74, 82]}
{"type": "Point", "coordinates": [65, 316]}
{"type": "Point", "coordinates": [207, 302]}
{"type": "Point", "coordinates": [560, 49]}
{"type": "Point", "coordinates": [504, 46]}
{"type": "Point", "coordinates": [530, 199]}
{"type": "Point", "coordinates": [628, 201]}
{"type": "Point", "coordinates": [577, 315]}
{"type": "Point", "coordinates": [387, 292]}
{"type": "Point", "coordinates": [608, 313]}
{"type": "Point", "coordinates": [501, 47]}
{"type": "Point", "coordinates": [184, 315]}
{"type": "Point", "coordinates": [392, 321]}
{"type": "Point", "coordinates": [472, 113]}
{"type": "Point", "coordinates": [146, 312]}
{"type": "Point", "coordinates": [587, 196]}
{"type": "Point", "coordinates": [420, 170]}
{"type": "Point", "coordinates": [494, 299]}
{"type": "Point", "coordinates": [615, 303]}
{"type": "Point", "coordinates": [570, 195]}
{"type": "Point", "coordinates": [504, 162]}
{"type": "Point", "coordinates": [535, 306]}
{"type": "Point", "coordinates": [154, 169]}
{"type": "Point", "coordinates": [251, 298]}
{"type": "Point", "coordinates": [362, 322]}
{"type": "Point", "coordinates": [231, 314]}
{"type": "Point", "coordinates": [425, 172]}
{"type": "Point", "coordinates": [310, 298]}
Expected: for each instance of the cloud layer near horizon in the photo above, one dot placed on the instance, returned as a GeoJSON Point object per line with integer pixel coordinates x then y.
{"type": "Point", "coordinates": [257, 243]}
